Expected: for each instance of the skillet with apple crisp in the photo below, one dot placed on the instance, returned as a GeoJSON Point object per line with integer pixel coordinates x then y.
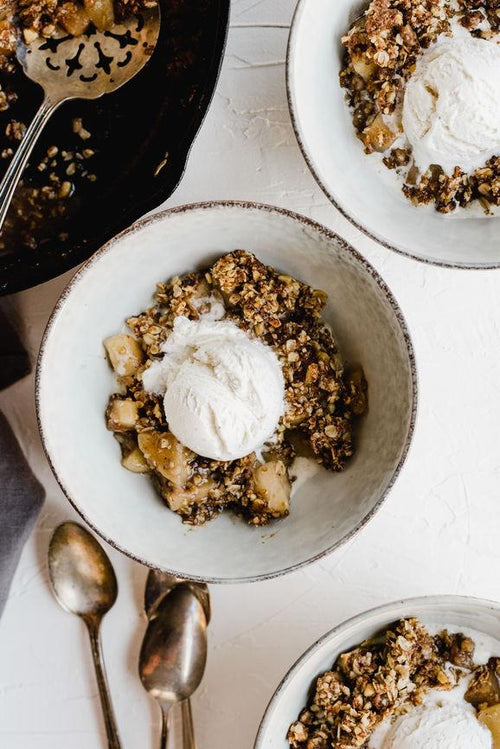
{"type": "Point", "coordinates": [100, 165]}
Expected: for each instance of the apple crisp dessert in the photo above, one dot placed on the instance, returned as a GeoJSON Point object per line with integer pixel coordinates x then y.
{"type": "Point", "coordinates": [322, 397]}
{"type": "Point", "coordinates": [404, 679]}
{"type": "Point", "coordinates": [395, 42]}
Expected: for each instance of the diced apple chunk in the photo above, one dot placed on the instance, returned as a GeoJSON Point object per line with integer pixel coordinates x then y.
{"type": "Point", "coordinates": [135, 461]}
{"type": "Point", "coordinates": [490, 717]}
{"type": "Point", "coordinates": [378, 136]}
{"type": "Point", "coordinates": [122, 415]}
{"type": "Point", "coordinates": [358, 390]}
{"type": "Point", "coordinates": [125, 354]}
{"type": "Point", "coordinates": [73, 18]}
{"type": "Point", "coordinates": [101, 13]}
{"type": "Point", "coordinates": [484, 688]}
{"type": "Point", "coordinates": [363, 66]}
{"type": "Point", "coordinates": [166, 455]}
{"type": "Point", "coordinates": [182, 499]}
{"type": "Point", "coordinates": [272, 485]}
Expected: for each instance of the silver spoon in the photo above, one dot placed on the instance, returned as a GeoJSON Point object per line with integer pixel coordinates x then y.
{"type": "Point", "coordinates": [158, 585]}
{"type": "Point", "coordinates": [84, 67]}
{"type": "Point", "coordinates": [85, 584]}
{"type": "Point", "coordinates": [174, 651]}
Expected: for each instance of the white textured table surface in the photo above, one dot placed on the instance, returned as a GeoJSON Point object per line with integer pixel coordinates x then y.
{"type": "Point", "coordinates": [437, 533]}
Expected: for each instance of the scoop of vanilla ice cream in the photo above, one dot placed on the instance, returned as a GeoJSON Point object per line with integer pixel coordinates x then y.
{"type": "Point", "coordinates": [451, 109]}
{"type": "Point", "coordinates": [224, 392]}
{"type": "Point", "coordinates": [452, 725]}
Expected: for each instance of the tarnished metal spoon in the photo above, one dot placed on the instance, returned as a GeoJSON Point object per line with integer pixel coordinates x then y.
{"type": "Point", "coordinates": [79, 67]}
{"type": "Point", "coordinates": [158, 585]}
{"type": "Point", "coordinates": [174, 651]}
{"type": "Point", "coordinates": [84, 583]}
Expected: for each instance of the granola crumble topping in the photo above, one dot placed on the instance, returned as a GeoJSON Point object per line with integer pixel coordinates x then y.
{"type": "Point", "coordinates": [322, 398]}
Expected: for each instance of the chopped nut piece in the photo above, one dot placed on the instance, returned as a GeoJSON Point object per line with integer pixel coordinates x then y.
{"type": "Point", "coordinates": [79, 130]}
{"type": "Point", "coordinates": [398, 157]}
{"type": "Point", "coordinates": [459, 650]}
{"type": "Point", "coordinates": [472, 20]}
{"type": "Point", "coordinates": [15, 130]}
{"type": "Point", "coordinates": [65, 190]}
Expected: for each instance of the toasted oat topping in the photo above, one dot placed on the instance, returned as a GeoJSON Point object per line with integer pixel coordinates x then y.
{"type": "Point", "coordinates": [380, 679]}
{"type": "Point", "coordinates": [322, 398]}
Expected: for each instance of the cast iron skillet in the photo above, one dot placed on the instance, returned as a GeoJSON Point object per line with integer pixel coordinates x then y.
{"type": "Point", "coordinates": [141, 136]}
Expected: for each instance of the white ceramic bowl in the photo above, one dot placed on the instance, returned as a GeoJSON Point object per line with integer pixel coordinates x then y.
{"type": "Point", "coordinates": [74, 382]}
{"type": "Point", "coordinates": [292, 694]}
{"type": "Point", "coordinates": [335, 155]}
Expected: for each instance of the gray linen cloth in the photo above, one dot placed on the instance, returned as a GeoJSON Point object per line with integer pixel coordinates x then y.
{"type": "Point", "coordinates": [21, 494]}
{"type": "Point", "coordinates": [21, 497]}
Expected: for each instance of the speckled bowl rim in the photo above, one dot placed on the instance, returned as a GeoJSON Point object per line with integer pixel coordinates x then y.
{"type": "Point", "coordinates": [330, 195]}
{"type": "Point", "coordinates": [320, 229]}
{"type": "Point", "coordinates": [437, 601]}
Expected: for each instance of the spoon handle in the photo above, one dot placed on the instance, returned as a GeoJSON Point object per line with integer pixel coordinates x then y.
{"type": "Point", "coordinates": [165, 727]}
{"type": "Point", "coordinates": [102, 683]}
{"type": "Point", "coordinates": [18, 163]}
{"type": "Point", "coordinates": [188, 741]}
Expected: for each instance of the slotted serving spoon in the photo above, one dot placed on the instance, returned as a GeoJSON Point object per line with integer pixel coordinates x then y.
{"type": "Point", "coordinates": [84, 67]}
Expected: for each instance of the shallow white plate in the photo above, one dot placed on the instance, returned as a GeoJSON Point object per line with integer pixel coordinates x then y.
{"type": "Point", "coordinates": [74, 383]}
{"type": "Point", "coordinates": [435, 611]}
{"type": "Point", "coordinates": [335, 155]}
